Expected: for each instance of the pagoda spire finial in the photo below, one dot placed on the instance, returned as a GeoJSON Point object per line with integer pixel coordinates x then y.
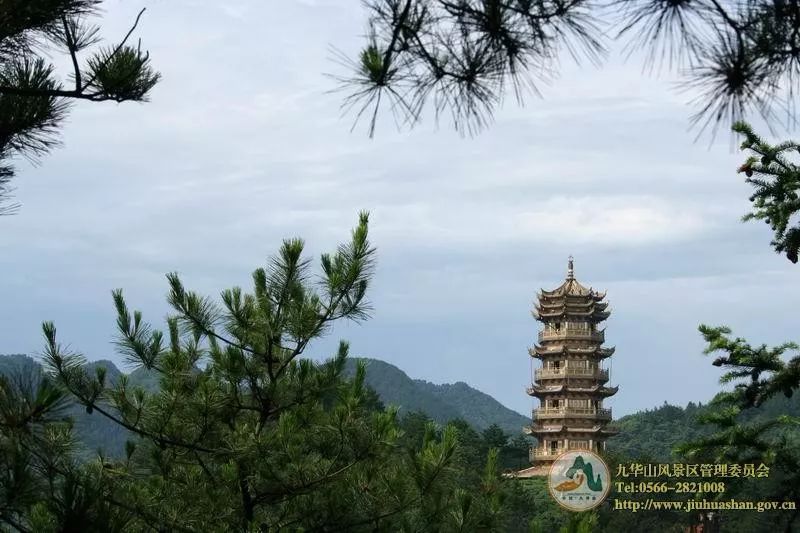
{"type": "Point", "coordinates": [570, 269]}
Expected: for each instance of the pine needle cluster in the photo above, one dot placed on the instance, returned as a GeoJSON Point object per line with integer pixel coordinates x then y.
{"type": "Point", "coordinates": [461, 57]}
{"type": "Point", "coordinates": [34, 100]}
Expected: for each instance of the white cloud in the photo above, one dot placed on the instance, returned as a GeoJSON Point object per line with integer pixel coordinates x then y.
{"type": "Point", "coordinates": [579, 221]}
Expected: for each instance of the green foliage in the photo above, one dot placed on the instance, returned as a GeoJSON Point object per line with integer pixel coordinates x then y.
{"type": "Point", "coordinates": [762, 369]}
{"type": "Point", "coordinates": [472, 448]}
{"type": "Point", "coordinates": [654, 434]}
{"type": "Point", "coordinates": [415, 426]}
{"type": "Point", "coordinates": [530, 507]}
{"type": "Point", "coordinates": [750, 423]}
{"type": "Point", "coordinates": [33, 100]}
{"type": "Point", "coordinates": [464, 56]}
{"type": "Point", "coordinates": [494, 437]}
{"type": "Point", "coordinates": [580, 523]}
{"type": "Point", "coordinates": [649, 436]}
{"type": "Point", "coordinates": [243, 433]}
{"type": "Point", "coordinates": [41, 487]}
{"type": "Point", "coordinates": [776, 181]}
{"type": "Point", "coordinates": [516, 454]}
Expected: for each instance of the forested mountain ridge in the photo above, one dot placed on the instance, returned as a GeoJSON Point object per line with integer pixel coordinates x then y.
{"type": "Point", "coordinates": [440, 402]}
{"type": "Point", "coordinates": [651, 433]}
{"type": "Point", "coordinates": [648, 435]}
{"type": "Point", "coordinates": [94, 431]}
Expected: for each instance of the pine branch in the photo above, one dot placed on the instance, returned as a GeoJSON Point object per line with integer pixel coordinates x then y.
{"type": "Point", "coordinates": [117, 48]}
{"type": "Point", "coordinates": [81, 92]}
{"type": "Point", "coordinates": [777, 188]}
{"type": "Point", "coordinates": [740, 59]}
{"type": "Point", "coordinates": [748, 362]}
{"type": "Point", "coordinates": [33, 102]}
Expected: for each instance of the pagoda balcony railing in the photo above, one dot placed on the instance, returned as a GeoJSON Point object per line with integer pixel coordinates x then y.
{"type": "Point", "coordinates": [577, 412]}
{"type": "Point", "coordinates": [572, 333]}
{"type": "Point", "coordinates": [591, 373]}
{"type": "Point", "coordinates": [536, 453]}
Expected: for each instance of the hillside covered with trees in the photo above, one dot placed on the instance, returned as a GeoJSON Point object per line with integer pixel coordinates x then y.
{"type": "Point", "coordinates": [653, 435]}
{"type": "Point", "coordinates": [441, 402]}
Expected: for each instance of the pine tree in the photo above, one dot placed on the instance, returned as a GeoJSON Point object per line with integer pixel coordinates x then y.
{"type": "Point", "coordinates": [247, 434]}
{"type": "Point", "coordinates": [495, 437]}
{"type": "Point", "coordinates": [463, 56]}
{"type": "Point", "coordinates": [33, 101]}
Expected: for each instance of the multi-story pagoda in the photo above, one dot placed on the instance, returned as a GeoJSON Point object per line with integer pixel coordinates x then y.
{"type": "Point", "coordinates": [571, 383]}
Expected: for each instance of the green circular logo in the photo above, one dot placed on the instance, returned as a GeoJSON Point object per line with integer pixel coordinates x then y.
{"type": "Point", "coordinates": [579, 480]}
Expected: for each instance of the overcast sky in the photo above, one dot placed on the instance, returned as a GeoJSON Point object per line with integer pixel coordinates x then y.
{"type": "Point", "coordinates": [243, 145]}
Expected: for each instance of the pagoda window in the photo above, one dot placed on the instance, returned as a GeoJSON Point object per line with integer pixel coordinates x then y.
{"type": "Point", "coordinates": [553, 445]}
{"type": "Point", "coordinates": [581, 326]}
{"type": "Point", "coordinates": [579, 444]}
